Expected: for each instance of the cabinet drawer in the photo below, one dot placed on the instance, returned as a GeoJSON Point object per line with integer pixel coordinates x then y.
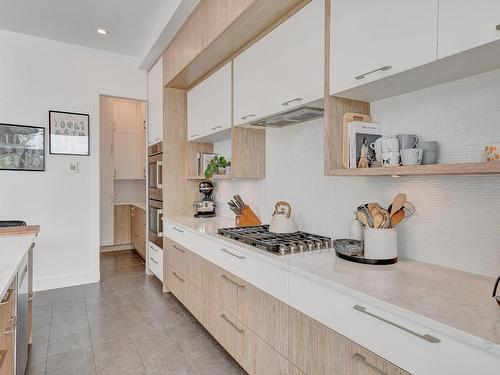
{"type": "Point", "coordinates": [269, 362]}
{"type": "Point", "coordinates": [265, 315]}
{"type": "Point", "coordinates": [223, 286]}
{"type": "Point", "coordinates": [195, 266]}
{"type": "Point", "coordinates": [156, 261]}
{"type": "Point", "coordinates": [176, 282]}
{"type": "Point", "coordinates": [196, 302]}
{"type": "Point", "coordinates": [234, 336]}
{"type": "Point", "coordinates": [175, 255]}
{"type": "Point", "coordinates": [358, 360]}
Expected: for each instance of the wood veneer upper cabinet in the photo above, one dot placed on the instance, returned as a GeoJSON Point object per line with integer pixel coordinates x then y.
{"type": "Point", "coordinates": [122, 225]}
{"type": "Point", "coordinates": [466, 24]}
{"type": "Point", "coordinates": [218, 15]}
{"type": "Point", "coordinates": [371, 40]}
{"type": "Point", "coordinates": [187, 44]}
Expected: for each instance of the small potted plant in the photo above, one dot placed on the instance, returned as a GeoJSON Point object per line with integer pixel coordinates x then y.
{"type": "Point", "coordinates": [216, 166]}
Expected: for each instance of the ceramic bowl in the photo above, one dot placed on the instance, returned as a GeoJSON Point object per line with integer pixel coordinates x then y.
{"type": "Point", "coordinates": [348, 246]}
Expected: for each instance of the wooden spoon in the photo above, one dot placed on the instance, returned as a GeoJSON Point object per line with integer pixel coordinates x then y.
{"type": "Point", "coordinates": [398, 203]}
{"type": "Point", "coordinates": [397, 217]}
{"type": "Point", "coordinates": [378, 220]}
{"type": "Point", "coordinates": [362, 217]}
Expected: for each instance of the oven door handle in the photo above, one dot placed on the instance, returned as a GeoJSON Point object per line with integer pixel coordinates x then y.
{"type": "Point", "coordinates": [159, 184]}
{"type": "Point", "coordinates": [159, 223]}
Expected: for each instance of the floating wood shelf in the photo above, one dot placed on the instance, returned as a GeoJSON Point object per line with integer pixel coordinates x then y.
{"type": "Point", "coordinates": [214, 177]}
{"type": "Point", "coordinates": [416, 170]}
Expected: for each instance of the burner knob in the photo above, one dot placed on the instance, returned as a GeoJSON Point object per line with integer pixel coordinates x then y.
{"type": "Point", "coordinates": [302, 247]}
{"type": "Point", "coordinates": [293, 248]}
{"type": "Point", "coordinates": [310, 245]}
{"type": "Point", "coordinates": [317, 244]}
{"type": "Point", "coordinates": [327, 244]}
{"type": "Point", "coordinates": [283, 249]}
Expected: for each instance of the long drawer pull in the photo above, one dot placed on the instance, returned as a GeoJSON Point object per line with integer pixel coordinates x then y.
{"type": "Point", "coordinates": [232, 281]}
{"type": "Point", "coordinates": [13, 327]}
{"type": "Point", "coordinates": [498, 27]}
{"type": "Point", "coordinates": [426, 337]}
{"type": "Point", "coordinates": [178, 248]}
{"type": "Point", "coordinates": [362, 359]}
{"type": "Point", "coordinates": [6, 299]}
{"type": "Point", "coordinates": [153, 260]}
{"type": "Point", "coordinates": [233, 254]}
{"type": "Point", "coordinates": [217, 127]}
{"type": "Point", "coordinates": [382, 69]}
{"type": "Point", "coordinates": [154, 248]}
{"type": "Point", "coordinates": [31, 296]}
{"type": "Point", "coordinates": [178, 230]}
{"type": "Point", "coordinates": [242, 331]}
{"type": "Point", "coordinates": [248, 116]}
{"type": "Point", "coordinates": [291, 101]}
{"type": "Point", "coordinates": [175, 274]}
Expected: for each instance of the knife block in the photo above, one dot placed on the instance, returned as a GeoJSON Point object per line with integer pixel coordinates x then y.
{"type": "Point", "coordinates": [247, 218]}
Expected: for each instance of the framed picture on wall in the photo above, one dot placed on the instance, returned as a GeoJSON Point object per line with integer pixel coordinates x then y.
{"type": "Point", "coordinates": [22, 148]}
{"type": "Point", "coordinates": [69, 133]}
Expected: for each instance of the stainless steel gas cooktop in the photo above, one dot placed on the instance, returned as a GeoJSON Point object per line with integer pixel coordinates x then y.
{"type": "Point", "coordinates": [281, 244]}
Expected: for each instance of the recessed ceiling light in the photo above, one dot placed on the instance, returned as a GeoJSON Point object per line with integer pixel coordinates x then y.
{"type": "Point", "coordinates": [102, 31]}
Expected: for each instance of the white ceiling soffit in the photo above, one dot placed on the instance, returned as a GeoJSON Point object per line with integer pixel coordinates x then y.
{"type": "Point", "coordinates": [174, 17]}
{"type": "Point", "coordinates": [129, 23]}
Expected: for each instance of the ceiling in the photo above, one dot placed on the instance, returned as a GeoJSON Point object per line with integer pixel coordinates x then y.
{"type": "Point", "coordinates": [129, 23]}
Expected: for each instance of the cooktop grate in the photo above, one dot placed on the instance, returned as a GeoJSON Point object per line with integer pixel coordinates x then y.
{"type": "Point", "coordinates": [280, 243]}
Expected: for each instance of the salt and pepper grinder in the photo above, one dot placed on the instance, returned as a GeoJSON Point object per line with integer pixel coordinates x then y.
{"type": "Point", "coordinates": [356, 230]}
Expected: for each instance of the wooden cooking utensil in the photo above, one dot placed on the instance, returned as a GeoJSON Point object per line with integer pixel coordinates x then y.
{"type": "Point", "coordinates": [378, 220]}
{"type": "Point", "coordinates": [362, 217]}
{"type": "Point", "coordinates": [398, 203]}
{"type": "Point", "coordinates": [397, 217]}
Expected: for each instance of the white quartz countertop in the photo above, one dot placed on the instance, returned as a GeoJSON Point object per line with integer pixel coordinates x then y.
{"type": "Point", "coordinates": [141, 205]}
{"type": "Point", "coordinates": [13, 248]}
{"type": "Point", "coordinates": [459, 303]}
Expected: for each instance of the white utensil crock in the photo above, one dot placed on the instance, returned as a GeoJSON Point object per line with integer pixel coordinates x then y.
{"type": "Point", "coordinates": [381, 243]}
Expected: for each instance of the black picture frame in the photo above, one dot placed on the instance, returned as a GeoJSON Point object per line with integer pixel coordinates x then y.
{"type": "Point", "coordinates": [4, 144]}
{"type": "Point", "coordinates": [53, 152]}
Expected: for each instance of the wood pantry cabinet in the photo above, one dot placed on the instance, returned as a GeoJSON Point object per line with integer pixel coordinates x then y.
{"type": "Point", "coordinates": [130, 227]}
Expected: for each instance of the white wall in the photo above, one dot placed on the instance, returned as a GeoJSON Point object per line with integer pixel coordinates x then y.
{"type": "Point", "coordinates": [130, 191]}
{"type": "Point", "coordinates": [457, 220]}
{"type": "Point", "coordinates": [37, 75]}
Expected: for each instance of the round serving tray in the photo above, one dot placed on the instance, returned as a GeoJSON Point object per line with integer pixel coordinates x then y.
{"type": "Point", "coordinates": [362, 259]}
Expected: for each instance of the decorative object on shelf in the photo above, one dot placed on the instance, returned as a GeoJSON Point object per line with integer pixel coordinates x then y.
{"type": "Point", "coordinates": [391, 159]}
{"type": "Point", "coordinates": [377, 147]}
{"type": "Point", "coordinates": [69, 133]}
{"type": "Point", "coordinates": [245, 217]}
{"type": "Point", "coordinates": [492, 152]}
{"type": "Point", "coordinates": [430, 151]}
{"type": "Point", "coordinates": [361, 135]}
{"type": "Point", "coordinates": [217, 165]}
{"type": "Point", "coordinates": [495, 291]}
{"type": "Point", "coordinates": [407, 140]}
{"type": "Point", "coordinates": [348, 247]}
{"type": "Point", "coordinates": [206, 206]}
{"type": "Point", "coordinates": [347, 119]}
{"type": "Point", "coordinates": [22, 148]}
{"type": "Point", "coordinates": [282, 221]}
{"type": "Point", "coordinates": [411, 156]}
{"type": "Point", "coordinates": [203, 160]}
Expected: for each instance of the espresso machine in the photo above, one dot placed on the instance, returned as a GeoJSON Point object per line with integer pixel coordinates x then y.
{"type": "Point", "coordinates": [206, 206]}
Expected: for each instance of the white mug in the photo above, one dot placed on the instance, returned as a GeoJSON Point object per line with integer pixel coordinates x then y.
{"type": "Point", "coordinates": [390, 159]}
{"type": "Point", "coordinates": [390, 144]}
{"type": "Point", "coordinates": [377, 147]}
{"type": "Point", "coordinates": [412, 156]}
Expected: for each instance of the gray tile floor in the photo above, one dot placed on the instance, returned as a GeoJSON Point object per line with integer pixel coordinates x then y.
{"type": "Point", "coordinates": [121, 325]}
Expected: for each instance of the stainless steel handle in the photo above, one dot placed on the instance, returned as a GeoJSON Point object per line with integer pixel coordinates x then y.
{"type": "Point", "coordinates": [153, 260]}
{"type": "Point", "coordinates": [233, 254]}
{"type": "Point", "coordinates": [248, 116]}
{"type": "Point", "coordinates": [132, 211]}
{"type": "Point", "coordinates": [291, 101]}
{"type": "Point", "coordinates": [217, 127]}
{"type": "Point", "coordinates": [382, 69]}
{"type": "Point", "coordinates": [193, 135]}
{"type": "Point", "coordinates": [232, 281]}
{"type": "Point", "coordinates": [154, 248]}
{"type": "Point", "coordinates": [178, 230]}
{"type": "Point", "coordinates": [362, 359]}
{"type": "Point", "coordinates": [159, 223]}
{"type": "Point", "coordinates": [31, 296]}
{"type": "Point", "coordinates": [13, 327]}
{"type": "Point", "coordinates": [426, 337]}
{"type": "Point", "coordinates": [178, 248]}
{"type": "Point", "coordinates": [6, 299]}
{"type": "Point", "coordinates": [159, 183]}
{"type": "Point", "coordinates": [23, 274]}
{"type": "Point", "coordinates": [175, 274]}
{"type": "Point", "coordinates": [242, 331]}
{"type": "Point", "coordinates": [498, 27]}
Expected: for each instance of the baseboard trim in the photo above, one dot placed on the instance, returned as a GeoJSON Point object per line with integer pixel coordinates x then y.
{"type": "Point", "coordinates": [64, 281]}
{"type": "Point", "coordinates": [106, 249]}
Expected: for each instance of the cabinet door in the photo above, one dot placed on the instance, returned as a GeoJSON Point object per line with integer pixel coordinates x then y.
{"type": "Point", "coordinates": [223, 287]}
{"type": "Point", "coordinates": [269, 362]}
{"type": "Point", "coordinates": [122, 225]}
{"type": "Point", "coordinates": [155, 103]}
{"type": "Point", "coordinates": [133, 227]}
{"type": "Point", "coordinates": [7, 342]}
{"type": "Point", "coordinates": [265, 315]}
{"type": "Point", "coordinates": [125, 156]}
{"type": "Point", "coordinates": [196, 302]}
{"type": "Point", "coordinates": [467, 24]}
{"type": "Point", "coordinates": [175, 255]}
{"type": "Point", "coordinates": [176, 282]}
{"type": "Point", "coordinates": [195, 269]}
{"type": "Point", "coordinates": [374, 39]}
{"type": "Point", "coordinates": [209, 105]}
{"type": "Point", "coordinates": [284, 69]}
{"type": "Point", "coordinates": [141, 141]}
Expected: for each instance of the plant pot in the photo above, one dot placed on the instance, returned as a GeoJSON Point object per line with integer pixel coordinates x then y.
{"type": "Point", "coordinates": [221, 171]}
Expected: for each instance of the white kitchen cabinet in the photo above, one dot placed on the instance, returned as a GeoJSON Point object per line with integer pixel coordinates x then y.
{"type": "Point", "coordinates": [465, 24]}
{"type": "Point", "coordinates": [155, 103]}
{"type": "Point", "coordinates": [283, 70]}
{"type": "Point", "coordinates": [209, 106]}
{"type": "Point", "coordinates": [371, 40]}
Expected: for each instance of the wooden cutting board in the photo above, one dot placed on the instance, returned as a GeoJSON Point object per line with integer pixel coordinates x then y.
{"type": "Point", "coordinates": [349, 117]}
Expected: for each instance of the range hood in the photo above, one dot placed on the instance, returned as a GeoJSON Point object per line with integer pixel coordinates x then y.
{"type": "Point", "coordinates": [291, 117]}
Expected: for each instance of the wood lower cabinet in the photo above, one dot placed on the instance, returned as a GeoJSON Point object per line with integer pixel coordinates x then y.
{"type": "Point", "coordinates": [7, 326]}
{"type": "Point", "coordinates": [122, 225]}
{"type": "Point", "coordinates": [223, 288]}
{"type": "Point", "coordinates": [195, 299]}
{"type": "Point", "coordinates": [138, 230]}
{"type": "Point", "coordinates": [269, 362]}
{"type": "Point", "coordinates": [176, 282]}
{"type": "Point", "coordinates": [175, 255]}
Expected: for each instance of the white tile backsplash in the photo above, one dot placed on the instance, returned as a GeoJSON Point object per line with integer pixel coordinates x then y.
{"type": "Point", "coordinates": [457, 223]}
